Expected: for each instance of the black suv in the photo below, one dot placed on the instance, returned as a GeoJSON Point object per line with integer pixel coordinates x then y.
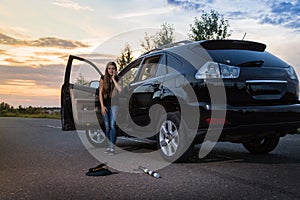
{"type": "Point", "coordinates": [191, 92]}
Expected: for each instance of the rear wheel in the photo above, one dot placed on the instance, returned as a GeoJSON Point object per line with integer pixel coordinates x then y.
{"type": "Point", "coordinates": [172, 140]}
{"type": "Point", "coordinates": [96, 137]}
{"type": "Point", "coordinates": [262, 145]}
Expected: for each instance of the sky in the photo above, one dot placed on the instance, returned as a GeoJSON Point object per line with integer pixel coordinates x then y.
{"type": "Point", "coordinates": [36, 37]}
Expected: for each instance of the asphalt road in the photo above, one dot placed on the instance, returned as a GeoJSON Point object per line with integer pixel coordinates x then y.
{"type": "Point", "coordinates": [39, 161]}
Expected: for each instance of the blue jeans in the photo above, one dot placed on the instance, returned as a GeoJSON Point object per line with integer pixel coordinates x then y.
{"type": "Point", "coordinates": [110, 125]}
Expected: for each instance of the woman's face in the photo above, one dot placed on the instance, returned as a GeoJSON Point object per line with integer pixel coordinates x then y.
{"type": "Point", "coordinates": [111, 70]}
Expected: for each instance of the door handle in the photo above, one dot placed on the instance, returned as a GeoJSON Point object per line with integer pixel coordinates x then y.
{"type": "Point", "coordinates": [156, 83]}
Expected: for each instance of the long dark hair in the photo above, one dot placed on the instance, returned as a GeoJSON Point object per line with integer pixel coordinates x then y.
{"type": "Point", "coordinates": [108, 85]}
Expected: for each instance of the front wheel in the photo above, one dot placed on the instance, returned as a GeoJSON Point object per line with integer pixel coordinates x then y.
{"type": "Point", "coordinates": [96, 137]}
{"type": "Point", "coordinates": [262, 145]}
{"type": "Point", "coordinates": [172, 140]}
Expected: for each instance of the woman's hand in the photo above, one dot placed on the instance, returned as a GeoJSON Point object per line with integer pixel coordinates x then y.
{"type": "Point", "coordinates": [118, 86]}
{"type": "Point", "coordinates": [103, 110]}
{"type": "Point", "coordinates": [115, 73]}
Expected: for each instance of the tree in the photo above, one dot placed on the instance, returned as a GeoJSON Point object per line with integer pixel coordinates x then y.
{"type": "Point", "coordinates": [80, 80]}
{"type": "Point", "coordinates": [125, 58]}
{"type": "Point", "coordinates": [209, 27]}
{"type": "Point", "coordinates": [163, 37]}
{"type": "Point", "coordinates": [148, 44]}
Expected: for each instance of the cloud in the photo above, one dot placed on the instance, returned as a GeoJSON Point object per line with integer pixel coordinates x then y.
{"type": "Point", "coordinates": [237, 15]}
{"type": "Point", "coordinates": [97, 55]}
{"type": "Point", "coordinates": [43, 53]}
{"type": "Point", "coordinates": [149, 12]}
{"type": "Point", "coordinates": [41, 42]}
{"type": "Point", "coordinates": [70, 4]}
{"type": "Point", "coordinates": [195, 5]}
{"type": "Point", "coordinates": [45, 76]}
{"type": "Point", "coordinates": [56, 42]}
{"type": "Point", "coordinates": [33, 59]}
{"type": "Point", "coordinates": [3, 52]}
{"type": "Point", "coordinates": [18, 82]}
{"type": "Point", "coordinates": [282, 13]}
{"type": "Point", "coordinates": [279, 13]}
{"type": "Point", "coordinates": [12, 60]}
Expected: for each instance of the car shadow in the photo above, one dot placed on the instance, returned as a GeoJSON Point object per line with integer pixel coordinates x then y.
{"type": "Point", "coordinates": [242, 156]}
{"type": "Point", "coordinates": [226, 152]}
{"type": "Point", "coordinates": [136, 145]}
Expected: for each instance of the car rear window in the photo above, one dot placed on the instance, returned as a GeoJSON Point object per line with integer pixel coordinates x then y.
{"type": "Point", "coordinates": [237, 57]}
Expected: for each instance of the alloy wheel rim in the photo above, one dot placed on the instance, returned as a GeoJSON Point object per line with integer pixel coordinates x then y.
{"type": "Point", "coordinates": [97, 136]}
{"type": "Point", "coordinates": [168, 138]}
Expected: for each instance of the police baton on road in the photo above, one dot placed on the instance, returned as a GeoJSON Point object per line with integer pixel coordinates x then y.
{"type": "Point", "coordinates": [150, 172]}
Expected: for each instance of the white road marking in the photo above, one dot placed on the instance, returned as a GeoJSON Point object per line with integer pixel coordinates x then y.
{"type": "Point", "coordinates": [51, 126]}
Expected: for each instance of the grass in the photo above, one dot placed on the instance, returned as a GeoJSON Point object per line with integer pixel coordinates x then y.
{"type": "Point", "coordinates": [41, 115]}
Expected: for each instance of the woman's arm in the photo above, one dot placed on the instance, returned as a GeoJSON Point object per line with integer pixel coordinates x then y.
{"type": "Point", "coordinates": [118, 84]}
{"type": "Point", "coordinates": [103, 108]}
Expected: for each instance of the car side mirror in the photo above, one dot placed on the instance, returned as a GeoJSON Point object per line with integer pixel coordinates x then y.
{"type": "Point", "coordinates": [94, 84]}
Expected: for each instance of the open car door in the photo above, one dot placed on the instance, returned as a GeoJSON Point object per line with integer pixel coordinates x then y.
{"type": "Point", "coordinates": [80, 108]}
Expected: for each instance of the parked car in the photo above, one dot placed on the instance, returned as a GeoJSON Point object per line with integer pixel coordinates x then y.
{"type": "Point", "coordinates": [188, 92]}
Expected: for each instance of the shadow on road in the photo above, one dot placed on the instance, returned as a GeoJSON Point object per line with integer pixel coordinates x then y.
{"type": "Point", "coordinates": [226, 152]}
{"type": "Point", "coordinates": [234, 156]}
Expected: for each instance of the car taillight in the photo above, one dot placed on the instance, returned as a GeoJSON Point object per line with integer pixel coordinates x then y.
{"type": "Point", "coordinates": [217, 70]}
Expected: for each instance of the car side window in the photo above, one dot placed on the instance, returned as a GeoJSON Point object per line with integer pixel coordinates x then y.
{"type": "Point", "coordinates": [129, 73]}
{"type": "Point", "coordinates": [162, 67]}
{"type": "Point", "coordinates": [83, 73]}
{"type": "Point", "coordinates": [149, 68]}
{"type": "Point", "coordinates": [174, 65]}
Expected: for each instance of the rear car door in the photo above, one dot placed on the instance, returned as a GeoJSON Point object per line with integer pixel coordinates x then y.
{"type": "Point", "coordinates": [146, 89]}
{"type": "Point", "coordinates": [80, 107]}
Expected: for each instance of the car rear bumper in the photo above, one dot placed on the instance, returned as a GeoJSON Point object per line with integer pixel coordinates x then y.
{"type": "Point", "coordinates": [242, 123]}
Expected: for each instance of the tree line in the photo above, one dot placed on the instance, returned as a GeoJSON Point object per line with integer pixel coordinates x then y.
{"type": "Point", "coordinates": [7, 110]}
{"type": "Point", "coordinates": [210, 26]}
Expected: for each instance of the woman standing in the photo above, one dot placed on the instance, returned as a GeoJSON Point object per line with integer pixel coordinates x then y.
{"type": "Point", "coordinates": [109, 87]}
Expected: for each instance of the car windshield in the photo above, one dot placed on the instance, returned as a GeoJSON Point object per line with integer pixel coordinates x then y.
{"type": "Point", "coordinates": [244, 58]}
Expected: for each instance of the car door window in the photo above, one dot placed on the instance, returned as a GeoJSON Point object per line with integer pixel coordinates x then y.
{"type": "Point", "coordinates": [128, 75]}
{"type": "Point", "coordinates": [174, 65]}
{"type": "Point", "coordinates": [83, 73]}
{"type": "Point", "coordinates": [149, 68]}
{"type": "Point", "coordinates": [162, 67]}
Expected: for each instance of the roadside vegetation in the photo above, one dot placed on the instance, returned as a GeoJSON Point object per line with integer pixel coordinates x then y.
{"type": "Point", "coordinates": [7, 110]}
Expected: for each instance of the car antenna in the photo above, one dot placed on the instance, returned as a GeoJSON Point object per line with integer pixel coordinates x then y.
{"type": "Point", "coordinates": [244, 36]}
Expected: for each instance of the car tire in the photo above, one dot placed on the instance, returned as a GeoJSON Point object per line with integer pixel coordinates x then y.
{"type": "Point", "coordinates": [171, 139]}
{"type": "Point", "coordinates": [96, 137]}
{"type": "Point", "coordinates": [262, 145]}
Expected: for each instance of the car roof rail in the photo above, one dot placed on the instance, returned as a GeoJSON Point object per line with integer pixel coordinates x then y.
{"type": "Point", "coordinates": [174, 44]}
{"type": "Point", "coordinates": [150, 51]}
